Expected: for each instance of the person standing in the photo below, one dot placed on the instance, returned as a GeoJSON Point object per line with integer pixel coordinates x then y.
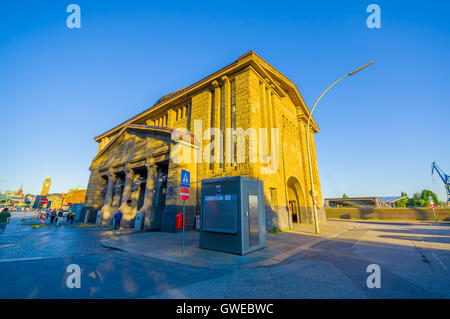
{"type": "Point", "coordinates": [117, 219]}
{"type": "Point", "coordinates": [72, 216]}
{"type": "Point", "coordinates": [5, 217]}
{"type": "Point", "coordinates": [60, 217]}
{"type": "Point", "coordinates": [52, 216]}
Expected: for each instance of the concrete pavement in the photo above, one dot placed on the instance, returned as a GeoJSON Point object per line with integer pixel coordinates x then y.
{"type": "Point", "coordinates": [414, 260]}
{"type": "Point", "coordinates": [280, 246]}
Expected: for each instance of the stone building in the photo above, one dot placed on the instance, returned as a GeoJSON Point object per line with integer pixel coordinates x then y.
{"type": "Point", "coordinates": [246, 119]}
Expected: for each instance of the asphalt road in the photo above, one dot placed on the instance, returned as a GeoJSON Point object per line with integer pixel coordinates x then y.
{"type": "Point", "coordinates": [414, 261]}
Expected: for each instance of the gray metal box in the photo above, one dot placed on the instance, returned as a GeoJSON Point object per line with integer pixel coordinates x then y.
{"type": "Point", "coordinates": [232, 215]}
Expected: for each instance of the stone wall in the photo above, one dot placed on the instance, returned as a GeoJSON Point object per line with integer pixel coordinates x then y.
{"type": "Point", "coordinates": [417, 213]}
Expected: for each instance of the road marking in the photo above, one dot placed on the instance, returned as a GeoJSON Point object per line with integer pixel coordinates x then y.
{"type": "Point", "coordinates": [439, 260]}
{"type": "Point", "coordinates": [19, 259]}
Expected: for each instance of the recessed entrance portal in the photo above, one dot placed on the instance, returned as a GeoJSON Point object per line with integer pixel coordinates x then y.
{"type": "Point", "coordinates": [159, 200]}
{"type": "Point", "coordinates": [296, 200]}
{"type": "Point", "coordinates": [293, 210]}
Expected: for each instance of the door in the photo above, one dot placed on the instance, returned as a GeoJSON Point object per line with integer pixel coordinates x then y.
{"type": "Point", "coordinates": [253, 222]}
{"type": "Point", "coordinates": [293, 211]}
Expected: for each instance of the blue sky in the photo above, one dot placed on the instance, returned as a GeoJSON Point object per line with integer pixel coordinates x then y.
{"type": "Point", "coordinates": [380, 130]}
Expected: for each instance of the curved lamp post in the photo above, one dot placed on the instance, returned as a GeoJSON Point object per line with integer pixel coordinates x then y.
{"type": "Point", "coordinates": [313, 191]}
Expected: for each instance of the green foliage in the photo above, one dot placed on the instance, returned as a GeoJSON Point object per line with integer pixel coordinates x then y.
{"type": "Point", "coordinates": [345, 195]}
{"type": "Point", "coordinates": [416, 202]}
{"type": "Point", "coordinates": [274, 230]}
{"type": "Point", "coordinates": [427, 193]}
{"type": "Point", "coordinates": [422, 199]}
{"type": "Point", "coordinates": [418, 199]}
{"type": "Point", "coordinates": [402, 202]}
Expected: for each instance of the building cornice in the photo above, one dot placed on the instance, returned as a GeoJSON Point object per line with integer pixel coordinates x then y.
{"type": "Point", "coordinates": [249, 58]}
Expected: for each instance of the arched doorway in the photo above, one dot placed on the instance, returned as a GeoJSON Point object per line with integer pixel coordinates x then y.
{"type": "Point", "coordinates": [296, 200]}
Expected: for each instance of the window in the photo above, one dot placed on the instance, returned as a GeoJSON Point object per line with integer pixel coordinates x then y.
{"type": "Point", "coordinates": [273, 197]}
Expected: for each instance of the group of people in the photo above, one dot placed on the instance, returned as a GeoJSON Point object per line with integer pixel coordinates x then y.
{"type": "Point", "coordinates": [58, 216]}
{"type": "Point", "coordinates": [5, 217]}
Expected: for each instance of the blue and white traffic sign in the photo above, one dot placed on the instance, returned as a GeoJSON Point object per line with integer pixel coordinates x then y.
{"type": "Point", "coordinates": [185, 179]}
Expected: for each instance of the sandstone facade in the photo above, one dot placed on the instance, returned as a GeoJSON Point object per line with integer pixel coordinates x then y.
{"type": "Point", "coordinates": [246, 119]}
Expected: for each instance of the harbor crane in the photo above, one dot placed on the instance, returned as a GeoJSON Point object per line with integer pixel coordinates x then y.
{"type": "Point", "coordinates": [445, 178]}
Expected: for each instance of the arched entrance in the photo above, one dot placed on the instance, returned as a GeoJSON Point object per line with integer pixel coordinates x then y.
{"type": "Point", "coordinates": [296, 200]}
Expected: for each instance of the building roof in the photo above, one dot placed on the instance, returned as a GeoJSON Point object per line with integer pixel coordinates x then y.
{"type": "Point", "coordinates": [392, 199]}
{"type": "Point", "coordinates": [269, 71]}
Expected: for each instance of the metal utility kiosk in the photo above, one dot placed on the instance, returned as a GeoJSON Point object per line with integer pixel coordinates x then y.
{"type": "Point", "coordinates": [232, 215]}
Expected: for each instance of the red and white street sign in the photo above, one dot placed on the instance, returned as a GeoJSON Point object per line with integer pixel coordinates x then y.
{"type": "Point", "coordinates": [184, 194]}
{"type": "Point", "coordinates": [432, 206]}
{"type": "Point", "coordinates": [43, 201]}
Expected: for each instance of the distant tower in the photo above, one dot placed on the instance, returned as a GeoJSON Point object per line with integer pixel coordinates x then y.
{"type": "Point", "coordinates": [46, 186]}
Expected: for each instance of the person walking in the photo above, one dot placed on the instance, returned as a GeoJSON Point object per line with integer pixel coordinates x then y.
{"type": "Point", "coordinates": [5, 217]}
{"type": "Point", "coordinates": [72, 216]}
{"type": "Point", "coordinates": [60, 217]}
{"type": "Point", "coordinates": [52, 216]}
{"type": "Point", "coordinates": [117, 219]}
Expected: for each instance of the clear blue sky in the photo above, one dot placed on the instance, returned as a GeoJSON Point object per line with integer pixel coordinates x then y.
{"type": "Point", "coordinates": [380, 130]}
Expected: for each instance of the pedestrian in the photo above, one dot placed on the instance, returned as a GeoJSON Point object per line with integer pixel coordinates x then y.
{"type": "Point", "coordinates": [5, 217]}
{"type": "Point", "coordinates": [72, 216]}
{"type": "Point", "coordinates": [68, 216]}
{"type": "Point", "coordinates": [117, 219]}
{"type": "Point", "coordinates": [52, 216]}
{"type": "Point", "coordinates": [60, 217]}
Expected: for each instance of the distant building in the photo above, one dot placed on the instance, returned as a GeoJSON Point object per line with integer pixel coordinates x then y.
{"type": "Point", "coordinates": [373, 202]}
{"type": "Point", "coordinates": [75, 195]}
{"type": "Point", "coordinates": [16, 198]}
{"type": "Point", "coordinates": [46, 186]}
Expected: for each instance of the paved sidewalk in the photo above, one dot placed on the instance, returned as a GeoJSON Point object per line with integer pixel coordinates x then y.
{"type": "Point", "coordinates": [280, 246]}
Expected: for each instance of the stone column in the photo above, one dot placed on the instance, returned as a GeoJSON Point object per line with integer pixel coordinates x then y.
{"type": "Point", "coordinates": [127, 210]}
{"type": "Point", "coordinates": [107, 211]}
{"type": "Point", "coordinates": [116, 193]}
{"type": "Point", "coordinates": [171, 118]}
{"type": "Point", "coordinates": [129, 176]}
{"type": "Point", "coordinates": [109, 188]}
{"type": "Point", "coordinates": [268, 109]}
{"type": "Point", "coordinates": [216, 125]}
{"type": "Point", "coordinates": [151, 221]}
{"type": "Point", "coordinates": [227, 139]}
{"type": "Point", "coordinates": [274, 139]}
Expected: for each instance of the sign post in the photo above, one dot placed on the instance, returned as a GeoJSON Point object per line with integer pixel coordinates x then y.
{"type": "Point", "coordinates": [433, 207]}
{"type": "Point", "coordinates": [184, 195]}
{"type": "Point", "coordinates": [185, 184]}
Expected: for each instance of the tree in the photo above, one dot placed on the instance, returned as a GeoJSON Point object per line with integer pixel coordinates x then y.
{"type": "Point", "coordinates": [426, 194]}
{"type": "Point", "coordinates": [402, 202]}
{"type": "Point", "coordinates": [344, 196]}
{"type": "Point", "coordinates": [422, 199]}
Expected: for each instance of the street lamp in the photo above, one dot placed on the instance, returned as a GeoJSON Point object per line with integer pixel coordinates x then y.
{"type": "Point", "coordinates": [313, 191]}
